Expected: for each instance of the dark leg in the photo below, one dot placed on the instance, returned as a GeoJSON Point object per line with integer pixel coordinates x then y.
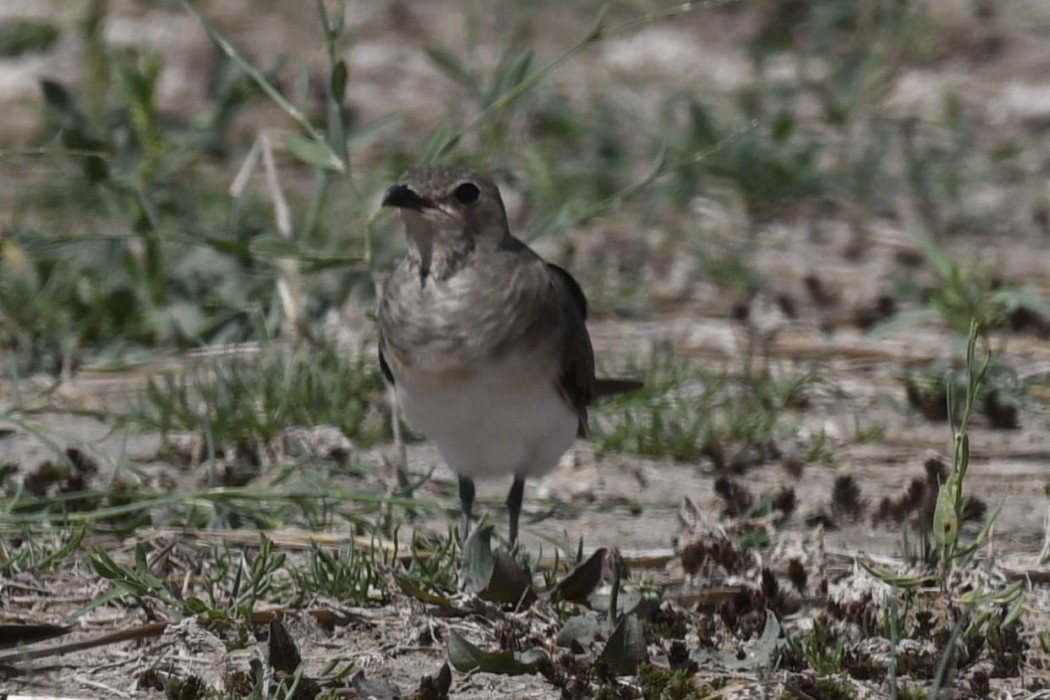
{"type": "Point", "coordinates": [517, 491]}
{"type": "Point", "coordinates": [466, 498]}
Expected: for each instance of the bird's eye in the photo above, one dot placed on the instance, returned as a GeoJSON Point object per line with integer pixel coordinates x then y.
{"type": "Point", "coordinates": [467, 193]}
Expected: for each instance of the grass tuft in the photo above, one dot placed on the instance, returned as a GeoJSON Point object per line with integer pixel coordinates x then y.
{"type": "Point", "coordinates": [234, 401]}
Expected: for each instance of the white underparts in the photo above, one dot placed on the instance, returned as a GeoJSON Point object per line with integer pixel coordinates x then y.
{"type": "Point", "coordinates": [500, 420]}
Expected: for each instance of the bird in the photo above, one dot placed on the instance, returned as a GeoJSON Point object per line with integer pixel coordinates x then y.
{"type": "Point", "coordinates": [484, 341]}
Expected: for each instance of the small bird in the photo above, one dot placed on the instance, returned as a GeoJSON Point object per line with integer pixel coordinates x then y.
{"type": "Point", "coordinates": [483, 340]}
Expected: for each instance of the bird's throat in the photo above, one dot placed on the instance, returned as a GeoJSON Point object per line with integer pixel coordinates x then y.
{"type": "Point", "coordinates": [420, 242]}
{"type": "Point", "coordinates": [435, 253]}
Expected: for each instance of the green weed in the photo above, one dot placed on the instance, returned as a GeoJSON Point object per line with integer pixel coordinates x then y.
{"type": "Point", "coordinates": [686, 412]}
{"type": "Point", "coordinates": [232, 585]}
{"type": "Point", "coordinates": [664, 684]}
{"type": "Point", "coordinates": [21, 36]}
{"type": "Point", "coordinates": [38, 552]}
{"type": "Point", "coordinates": [822, 651]}
{"type": "Point", "coordinates": [349, 576]}
{"type": "Point", "coordinates": [435, 563]}
{"type": "Point", "coordinates": [965, 295]}
{"type": "Point", "coordinates": [232, 401]}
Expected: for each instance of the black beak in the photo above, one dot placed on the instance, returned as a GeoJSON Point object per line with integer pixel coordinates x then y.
{"type": "Point", "coordinates": [402, 197]}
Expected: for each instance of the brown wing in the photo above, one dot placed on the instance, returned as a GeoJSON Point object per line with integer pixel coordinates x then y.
{"type": "Point", "coordinates": [576, 381]}
{"type": "Point", "coordinates": [383, 365]}
{"type": "Point", "coordinates": [576, 377]}
{"type": "Point", "coordinates": [575, 290]}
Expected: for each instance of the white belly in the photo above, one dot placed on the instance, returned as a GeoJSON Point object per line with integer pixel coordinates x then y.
{"type": "Point", "coordinates": [493, 423]}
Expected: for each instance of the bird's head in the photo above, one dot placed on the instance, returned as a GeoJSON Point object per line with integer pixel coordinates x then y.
{"type": "Point", "coordinates": [448, 208]}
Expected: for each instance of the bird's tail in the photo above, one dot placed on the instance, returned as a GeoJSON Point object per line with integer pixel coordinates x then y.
{"type": "Point", "coordinates": [610, 387]}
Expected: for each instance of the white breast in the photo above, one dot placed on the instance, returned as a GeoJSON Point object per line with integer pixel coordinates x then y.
{"type": "Point", "coordinates": [498, 421]}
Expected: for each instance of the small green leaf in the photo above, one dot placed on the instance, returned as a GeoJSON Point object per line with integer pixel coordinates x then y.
{"type": "Point", "coordinates": [438, 143]}
{"type": "Point", "coordinates": [925, 315]}
{"type": "Point", "coordinates": [934, 254]}
{"type": "Point", "coordinates": [478, 562]}
{"type": "Point", "coordinates": [890, 577]}
{"type": "Point", "coordinates": [105, 566]}
{"type": "Point", "coordinates": [554, 217]}
{"type": "Point", "coordinates": [195, 606]}
{"type": "Point", "coordinates": [19, 36]}
{"type": "Point", "coordinates": [1015, 612]}
{"type": "Point", "coordinates": [135, 588]}
{"type": "Point", "coordinates": [319, 155]}
{"type": "Point", "coordinates": [318, 264]}
{"type": "Point", "coordinates": [340, 19]}
{"type": "Point", "coordinates": [597, 25]}
{"type": "Point", "coordinates": [338, 80]}
{"type": "Point", "coordinates": [271, 245]}
{"type": "Point", "coordinates": [450, 64]}
{"type": "Point", "coordinates": [100, 601]}
{"type": "Point", "coordinates": [1005, 596]}
{"type": "Point", "coordinates": [945, 515]}
{"type": "Point", "coordinates": [465, 657]}
{"type": "Point", "coordinates": [409, 588]}
{"type": "Point", "coordinates": [140, 559]}
{"type": "Point", "coordinates": [371, 131]}
{"type": "Point", "coordinates": [62, 552]}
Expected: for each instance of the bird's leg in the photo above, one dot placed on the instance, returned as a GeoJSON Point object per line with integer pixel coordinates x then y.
{"type": "Point", "coordinates": [517, 492]}
{"type": "Point", "coordinates": [466, 498]}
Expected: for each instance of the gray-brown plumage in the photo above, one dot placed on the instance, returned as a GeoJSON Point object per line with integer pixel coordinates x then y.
{"type": "Point", "coordinates": [484, 341]}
